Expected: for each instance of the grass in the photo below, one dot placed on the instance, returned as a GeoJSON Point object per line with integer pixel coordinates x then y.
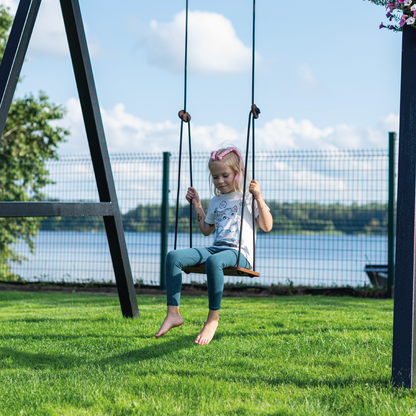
{"type": "Point", "coordinates": [76, 355]}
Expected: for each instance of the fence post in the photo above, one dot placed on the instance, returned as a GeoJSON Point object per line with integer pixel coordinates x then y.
{"type": "Point", "coordinates": [164, 220]}
{"type": "Point", "coordinates": [391, 212]}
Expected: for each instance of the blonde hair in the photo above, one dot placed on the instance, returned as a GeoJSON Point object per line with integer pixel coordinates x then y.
{"type": "Point", "coordinates": [231, 156]}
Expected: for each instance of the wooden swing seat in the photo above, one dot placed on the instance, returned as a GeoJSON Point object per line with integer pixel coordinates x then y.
{"type": "Point", "coordinates": [229, 271]}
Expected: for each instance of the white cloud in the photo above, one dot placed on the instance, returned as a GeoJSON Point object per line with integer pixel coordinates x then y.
{"type": "Point", "coordinates": [49, 37]}
{"type": "Point", "coordinates": [11, 4]}
{"type": "Point", "coordinates": [309, 81]}
{"type": "Point", "coordinates": [126, 132]}
{"type": "Point", "coordinates": [289, 134]}
{"type": "Point", "coordinates": [308, 179]}
{"type": "Point", "coordinates": [213, 45]}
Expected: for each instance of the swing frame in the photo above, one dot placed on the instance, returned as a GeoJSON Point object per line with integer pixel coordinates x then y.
{"type": "Point", "coordinates": [10, 69]}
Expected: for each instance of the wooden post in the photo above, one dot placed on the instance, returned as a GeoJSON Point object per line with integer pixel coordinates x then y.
{"type": "Point", "coordinates": [404, 288]}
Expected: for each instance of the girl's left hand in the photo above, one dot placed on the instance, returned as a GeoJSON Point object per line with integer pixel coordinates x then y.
{"type": "Point", "coordinates": [254, 189]}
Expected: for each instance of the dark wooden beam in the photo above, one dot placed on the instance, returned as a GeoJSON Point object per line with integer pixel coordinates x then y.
{"type": "Point", "coordinates": [404, 288]}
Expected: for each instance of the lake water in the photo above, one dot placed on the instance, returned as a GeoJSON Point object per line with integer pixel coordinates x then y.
{"type": "Point", "coordinates": [328, 260]}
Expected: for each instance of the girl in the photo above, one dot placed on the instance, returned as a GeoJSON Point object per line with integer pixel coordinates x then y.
{"type": "Point", "coordinates": [224, 216]}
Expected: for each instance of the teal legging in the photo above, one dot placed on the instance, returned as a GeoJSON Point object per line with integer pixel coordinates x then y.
{"type": "Point", "coordinates": [215, 259]}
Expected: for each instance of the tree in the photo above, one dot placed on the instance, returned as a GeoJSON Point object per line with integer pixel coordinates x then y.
{"type": "Point", "coordinates": [29, 140]}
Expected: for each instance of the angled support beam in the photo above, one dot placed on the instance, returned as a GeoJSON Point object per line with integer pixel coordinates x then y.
{"type": "Point", "coordinates": [88, 98]}
{"type": "Point", "coordinates": [99, 153]}
{"type": "Point", "coordinates": [14, 54]}
{"type": "Point", "coordinates": [403, 369]}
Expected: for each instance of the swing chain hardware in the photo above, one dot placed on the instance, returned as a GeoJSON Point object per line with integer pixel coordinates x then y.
{"type": "Point", "coordinates": [255, 110]}
{"type": "Point", "coordinates": [184, 116]}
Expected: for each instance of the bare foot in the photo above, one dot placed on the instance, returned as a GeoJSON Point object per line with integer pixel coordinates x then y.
{"type": "Point", "coordinates": [173, 319]}
{"type": "Point", "coordinates": [208, 331]}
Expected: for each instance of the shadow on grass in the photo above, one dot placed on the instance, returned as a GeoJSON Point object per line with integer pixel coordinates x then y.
{"type": "Point", "coordinates": [29, 360]}
{"type": "Point", "coordinates": [237, 373]}
{"type": "Point", "coordinates": [86, 319]}
{"type": "Point", "coordinates": [244, 377]}
{"type": "Point", "coordinates": [154, 351]}
{"type": "Point", "coordinates": [32, 360]}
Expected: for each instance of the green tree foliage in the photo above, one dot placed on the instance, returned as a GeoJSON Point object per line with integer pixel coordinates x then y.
{"type": "Point", "coordinates": [29, 140]}
{"type": "Point", "coordinates": [311, 217]}
{"type": "Point", "coordinates": [72, 224]}
{"type": "Point", "coordinates": [5, 23]}
{"type": "Point", "coordinates": [380, 2]}
{"type": "Point", "coordinates": [288, 218]}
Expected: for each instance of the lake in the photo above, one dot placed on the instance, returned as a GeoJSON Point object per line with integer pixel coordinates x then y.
{"type": "Point", "coordinates": [312, 260]}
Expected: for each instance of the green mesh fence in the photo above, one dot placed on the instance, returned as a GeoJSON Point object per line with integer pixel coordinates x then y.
{"type": "Point", "coordinates": [329, 218]}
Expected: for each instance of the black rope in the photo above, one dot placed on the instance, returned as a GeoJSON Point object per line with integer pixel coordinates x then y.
{"type": "Point", "coordinates": [185, 117]}
{"type": "Point", "coordinates": [253, 61]}
{"type": "Point", "coordinates": [254, 113]}
{"type": "Point", "coordinates": [252, 201]}
{"type": "Point", "coordinates": [253, 53]}
{"type": "Point", "coordinates": [190, 172]}
{"type": "Point", "coordinates": [179, 186]}
{"type": "Point", "coordinates": [186, 59]}
{"type": "Point", "coordinates": [244, 189]}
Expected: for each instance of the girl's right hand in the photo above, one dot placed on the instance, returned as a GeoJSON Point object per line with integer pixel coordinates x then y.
{"type": "Point", "coordinates": [192, 196]}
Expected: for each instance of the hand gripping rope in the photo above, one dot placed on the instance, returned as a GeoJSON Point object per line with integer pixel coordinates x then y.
{"type": "Point", "coordinates": [253, 115]}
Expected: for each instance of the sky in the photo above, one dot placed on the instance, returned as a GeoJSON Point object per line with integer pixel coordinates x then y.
{"type": "Point", "coordinates": [326, 76]}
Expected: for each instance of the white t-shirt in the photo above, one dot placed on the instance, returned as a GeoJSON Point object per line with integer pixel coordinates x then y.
{"type": "Point", "coordinates": [224, 211]}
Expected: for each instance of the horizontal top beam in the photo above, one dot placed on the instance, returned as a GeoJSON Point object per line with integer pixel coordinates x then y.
{"type": "Point", "coordinates": [56, 209]}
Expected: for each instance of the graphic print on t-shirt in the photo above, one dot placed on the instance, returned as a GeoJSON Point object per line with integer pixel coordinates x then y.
{"type": "Point", "coordinates": [227, 225]}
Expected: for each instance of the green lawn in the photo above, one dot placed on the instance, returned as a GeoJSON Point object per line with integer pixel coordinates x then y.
{"type": "Point", "coordinates": [76, 355]}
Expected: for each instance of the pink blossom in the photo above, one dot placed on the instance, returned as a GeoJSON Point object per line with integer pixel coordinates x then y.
{"type": "Point", "coordinates": [403, 20]}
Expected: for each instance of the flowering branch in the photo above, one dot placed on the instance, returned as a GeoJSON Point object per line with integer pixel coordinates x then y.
{"type": "Point", "coordinates": [399, 13]}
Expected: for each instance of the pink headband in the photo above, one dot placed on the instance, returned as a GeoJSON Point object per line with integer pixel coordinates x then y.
{"type": "Point", "coordinates": [215, 155]}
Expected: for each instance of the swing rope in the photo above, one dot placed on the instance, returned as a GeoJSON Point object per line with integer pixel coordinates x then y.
{"type": "Point", "coordinates": [185, 117]}
{"type": "Point", "coordinates": [254, 114]}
